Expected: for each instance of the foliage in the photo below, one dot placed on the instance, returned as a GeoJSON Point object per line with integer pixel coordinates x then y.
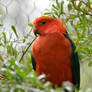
{"type": "Point", "coordinates": [18, 76]}
{"type": "Point", "coordinates": [77, 17]}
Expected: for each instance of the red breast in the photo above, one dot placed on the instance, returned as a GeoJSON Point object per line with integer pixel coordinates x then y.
{"type": "Point", "coordinates": [52, 55]}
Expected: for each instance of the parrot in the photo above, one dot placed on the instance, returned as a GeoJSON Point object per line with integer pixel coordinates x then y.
{"type": "Point", "coordinates": [53, 52]}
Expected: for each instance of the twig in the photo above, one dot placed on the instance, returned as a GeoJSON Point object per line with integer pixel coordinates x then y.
{"type": "Point", "coordinates": [73, 2]}
{"type": "Point", "coordinates": [85, 4]}
{"type": "Point", "coordinates": [26, 50]}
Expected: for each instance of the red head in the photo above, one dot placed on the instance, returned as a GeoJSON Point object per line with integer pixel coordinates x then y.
{"type": "Point", "coordinates": [45, 25]}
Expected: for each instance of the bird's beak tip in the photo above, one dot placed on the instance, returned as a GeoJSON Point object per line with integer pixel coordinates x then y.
{"type": "Point", "coordinates": [35, 30]}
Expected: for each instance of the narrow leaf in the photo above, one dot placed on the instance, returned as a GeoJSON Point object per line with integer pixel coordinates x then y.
{"type": "Point", "coordinates": [31, 25]}
{"type": "Point", "coordinates": [4, 36]}
{"type": "Point", "coordinates": [69, 6]}
{"type": "Point", "coordinates": [47, 13]}
{"type": "Point", "coordinates": [80, 4]}
{"type": "Point", "coordinates": [58, 5]}
{"type": "Point", "coordinates": [14, 30]}
{"type": "Point", "coordinates": [54, 7]}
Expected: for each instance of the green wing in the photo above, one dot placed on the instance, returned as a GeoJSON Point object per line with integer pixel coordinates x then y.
{"type": "Point", "coordinates": [75, 65]}
{"type": "Point", "coordinates": [33, 62]}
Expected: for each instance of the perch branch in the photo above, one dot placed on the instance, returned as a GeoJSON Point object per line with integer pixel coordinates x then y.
{"type": "Point", "coordinates": [26, 50]}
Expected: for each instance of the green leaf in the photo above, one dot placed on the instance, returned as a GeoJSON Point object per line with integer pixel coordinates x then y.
{"type": "Point", "coordinates": [58, 5]}
{"type": "Point", "coordinates": [1, 44]}
{"type": "Point", "coordinates": [61, 7]}
{"type": "Point", "coordinates": [14, 30]}
{"type": "Point", "coordinates": [19, 90]}
{"type": "Point", "coordinates": [69, 6]}
{"type": "Point", "coordinates": [72, 16]}
{"type": "Point", "coordinates": [1, 25]}
{"type": "Point", "coordinates": [31, 25]}
{"type": "Point", "coordinates": [56, 13]}
{"type": "Point", "coordinates": [15, 53]}
{"type": "Point", "coordinates": [71, 22]}
{"type": "Point", "coordinates": [12, 61]}
{"type": "Point", "coordinates": [85, 10]}
{"type": "Point", "coordinates": [9, 49]}
{"type": "Point", "coordinates": [4, 36]}
{"type": "Point", "coordinates": [80, 4]}
{"type": "Point", "coordinates": [29, 51]}
{"type": "Point", "coordinates": [54, 7]}
{"type": "Point", "coordinates": [47, 13]}
{"type": "Point", "coordinates": [28, 43]}
{"type": "Point", "coordinates": [88, 3]}
{"type": "Point", "coordinates": [24, 40]}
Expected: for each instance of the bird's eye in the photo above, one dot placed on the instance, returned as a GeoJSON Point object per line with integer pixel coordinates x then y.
{"type": "Point", "coordinates": [43, 22]}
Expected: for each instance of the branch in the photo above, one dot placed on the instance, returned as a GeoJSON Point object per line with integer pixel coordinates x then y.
{"type": "Point", "coordinates": [26, 50]}
{"type": "Point", "coordinates": [75, 6]}
{"type": "Point", "coordinates": [85, 4]}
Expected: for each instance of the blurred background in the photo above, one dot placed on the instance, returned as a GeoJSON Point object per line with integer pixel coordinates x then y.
{"type": "Point", "coordinates": [20, 13]}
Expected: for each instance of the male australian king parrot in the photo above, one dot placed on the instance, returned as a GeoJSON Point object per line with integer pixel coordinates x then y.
{"type": "Point", "coordinates": [53, 52]}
